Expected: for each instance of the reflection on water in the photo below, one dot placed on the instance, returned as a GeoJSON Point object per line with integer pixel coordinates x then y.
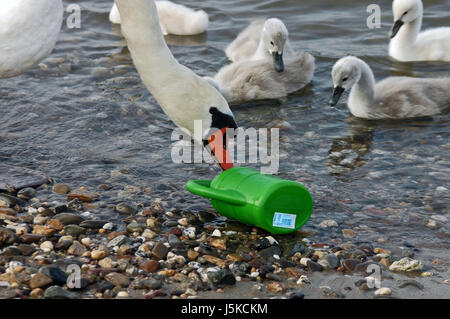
{"type": "Point", "coordinates": [86, 119]}
{"type": "Point", "coordinates": [348, 153]}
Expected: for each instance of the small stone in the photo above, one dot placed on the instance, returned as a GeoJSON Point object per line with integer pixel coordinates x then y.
{"type": "Point", "coordinates": [219, 243]}
{"type": "Point", "coordinates": [192, 254]}
{"type": "Point", "coordinates": [118, 279]}
{"type": "Point", "coordinates": [98, 254]}
{"type": "Point", "coordinates": [93, 224]}
{"type": "Point", "coordinates": [40, 280]}
{"type": "Point", "coordinates": [61, 189]}
{"type": "Point", "coordinates": [55, 224]}
{"type": "Point", "coordinates": [151, 284]}
{"type": "Point", "coordinates": [108, 226]}
{"type": "Point", "coordinates": [68, 218]}
{"type": "Point", "coordinates": [348, 233]}
{"type": "Point", "coordinates": [122, 294]}
{"type": "Point", "coordinates": [149, 266]}
{"type": "Point", "coordinates": [37, 293]}
{"type": "Point", "coordinates": [313, 266]}
{"type": "Point", "coordinates": [74, 230]}
{"type": "Point", "coordinates": [160, 251]}
{"type": "Point", "coordinates": [26, 193]}
{"type": "Point", "coordinates": [381, 251]}
{"type": "Point", "coordinates": [58, 276]}
{"type": "Point", "coordinates": [56, 292]}
{"type": "Point", "coordinates": [76, 249]}
{"type": "Point", "coordinates": [216, 233]}
{"type": "Point", "coordinates": [189, 232]}
{"type": "Point", "coordinates": [46, 246]}
{"type": "Point", "coordinates": [149, 234]}
{"type": "Point", "coordinates": [82, 195]}
{"type": "Point", "coordinates": [328, 223]}
{"type": "Point", "coordinates": [135, 228]}
{"type": "Point", "coordinates": [125, 209]}
{"type": "Point", "coordinates": [350, 264]}
{"type": "Point", "coordinates": [183, 222]}
{"type": "Point", "coordinates": [86, 241]}
{"type": "Point", "coordinates": [383, 292]}
{"type": "Point", "coordinates": [406, 264]}
{"type": "Point", "coordinates": [276, 287]}
{"type": "Point", "coordinates": [43, 230]}
{"type": "Point", "coordinates": [117, 241]}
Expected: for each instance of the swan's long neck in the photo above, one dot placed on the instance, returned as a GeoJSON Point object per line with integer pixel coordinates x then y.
{"type": "Point", "coordinates": [261, 51]}
{"type": "Point", "coordinates": [151, 56]}
{"type": "Point", "coordinates": [362, 94]}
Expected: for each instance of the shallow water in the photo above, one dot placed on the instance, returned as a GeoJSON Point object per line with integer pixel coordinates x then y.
{"type": "Point", "coordinates": [96, 123]}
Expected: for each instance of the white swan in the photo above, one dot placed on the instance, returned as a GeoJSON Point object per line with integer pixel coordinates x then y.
{"type": "Point", "coordinates": [262, 39]}
{"type": "Point", "coordinates": [391, 98]}
{"type": "Point", "coordinates": [184, 96]}
{"type": "Point", "coordinates": [29, 30]}
{"type": "Point", "coordinates": [407, 44]}
{"type": "Point", "coordinates": [174, 18]}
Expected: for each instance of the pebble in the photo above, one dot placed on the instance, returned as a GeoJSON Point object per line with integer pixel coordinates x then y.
{"type": "Point", "coordinates": [117, 241]}
{"type": "Point", "coordinates": [46, 246]}
{"type": "Point", "coordinates": [40, 280]}
{"type": "Point", "coordinates": [406, 264]}
{"type": "Point", "coordinates": [74, 230]}
{"type": "Point", "coordinates": [86, 241]}
{"type": "Point", "coordinates": [61, 189]}
{"type": "Point", "coordinates": [56, 292]}
{"type": "Point", "coordinates": [219, 243]}
{"type": "Point", "coordinates": [118, 279]}
{"type": "Point", "coordinates": [122, 294]}
{"type": "Point", "coordinates": [98, 254]}
{"type": "Point", "coordinates": [159, 251]}
{"type": "Point", "coordinates": [216, 233]}
{"type": "Point", "coordinates": [383, 292]}
{"type": "Point", "coordinates": [328, 223]}
{"type": "Point", "coordinates": [82, 195]}
{"type": "Point", "coordinates": [68, 218]}
{"type": "Point", "coordinates": [126, 209]}
{"type": "Point", "coordinates": [76, 249]}
{"type": "Point", "coordinates": [149, 266]}
{"type": "Point", "coordinates": [276, 287]}
{"type": "Point", "coordinates": [348, 233]}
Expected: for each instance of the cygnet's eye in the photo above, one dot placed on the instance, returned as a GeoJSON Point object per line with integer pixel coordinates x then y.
{"type": "Point", "coordinates": [271, 43]}
{"type": "Point", "coordinates": [344, 79]}
{"type": "Point", "coordinates": [405, 13]}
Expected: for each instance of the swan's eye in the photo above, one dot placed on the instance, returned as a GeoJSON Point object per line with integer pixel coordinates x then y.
{"type": "Point", "coordinates": [344, 79]}
{"type": "Point", "coordinates": [271, 43]}
{"type": "Point", "coordinates": [406, 12]}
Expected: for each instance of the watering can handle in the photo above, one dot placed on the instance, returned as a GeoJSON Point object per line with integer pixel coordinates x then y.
{"type": "Point", "coordinates": [203, 188]}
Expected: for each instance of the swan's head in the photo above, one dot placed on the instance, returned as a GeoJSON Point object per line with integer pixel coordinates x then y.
{"type": "Point", "coordinates": [215, 140]}
{"type": "Point", "coordinates": [405, 11]}
{"type": "Point", "coordinates": [274, 37]}
{"type": "Point", "coordinates": [346, 73]}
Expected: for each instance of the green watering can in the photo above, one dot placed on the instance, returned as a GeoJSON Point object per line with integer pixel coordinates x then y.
{"type": "Point", "coordinates": [273, 204]}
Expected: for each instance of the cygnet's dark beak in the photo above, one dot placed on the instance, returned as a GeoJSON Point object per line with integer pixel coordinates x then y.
{"type": "Point", "coordinates": [336, 95]}
{"type": "Point", "coordinates": [396, 27]}
{"type": "Point", "coordinates": [278, 61]}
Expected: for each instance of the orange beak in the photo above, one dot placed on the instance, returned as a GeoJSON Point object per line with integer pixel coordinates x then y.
{"type": "Point", "coordinates": [218, 147]}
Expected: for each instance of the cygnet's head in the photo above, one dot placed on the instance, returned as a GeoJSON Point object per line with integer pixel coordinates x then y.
{"type": "Point", "coordinates": [274, 37]}
{"type": "Point", "coordinates": [346, 73]}
{"type": "Point", "coordinates": [405, 11]}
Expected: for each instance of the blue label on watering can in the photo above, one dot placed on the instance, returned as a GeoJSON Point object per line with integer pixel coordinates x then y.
{"type": "Point", "coordinates": [284, 220]}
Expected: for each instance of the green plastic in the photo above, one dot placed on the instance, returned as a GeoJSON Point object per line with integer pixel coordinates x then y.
{"type": "Point", "coordinates": [253, 198]}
